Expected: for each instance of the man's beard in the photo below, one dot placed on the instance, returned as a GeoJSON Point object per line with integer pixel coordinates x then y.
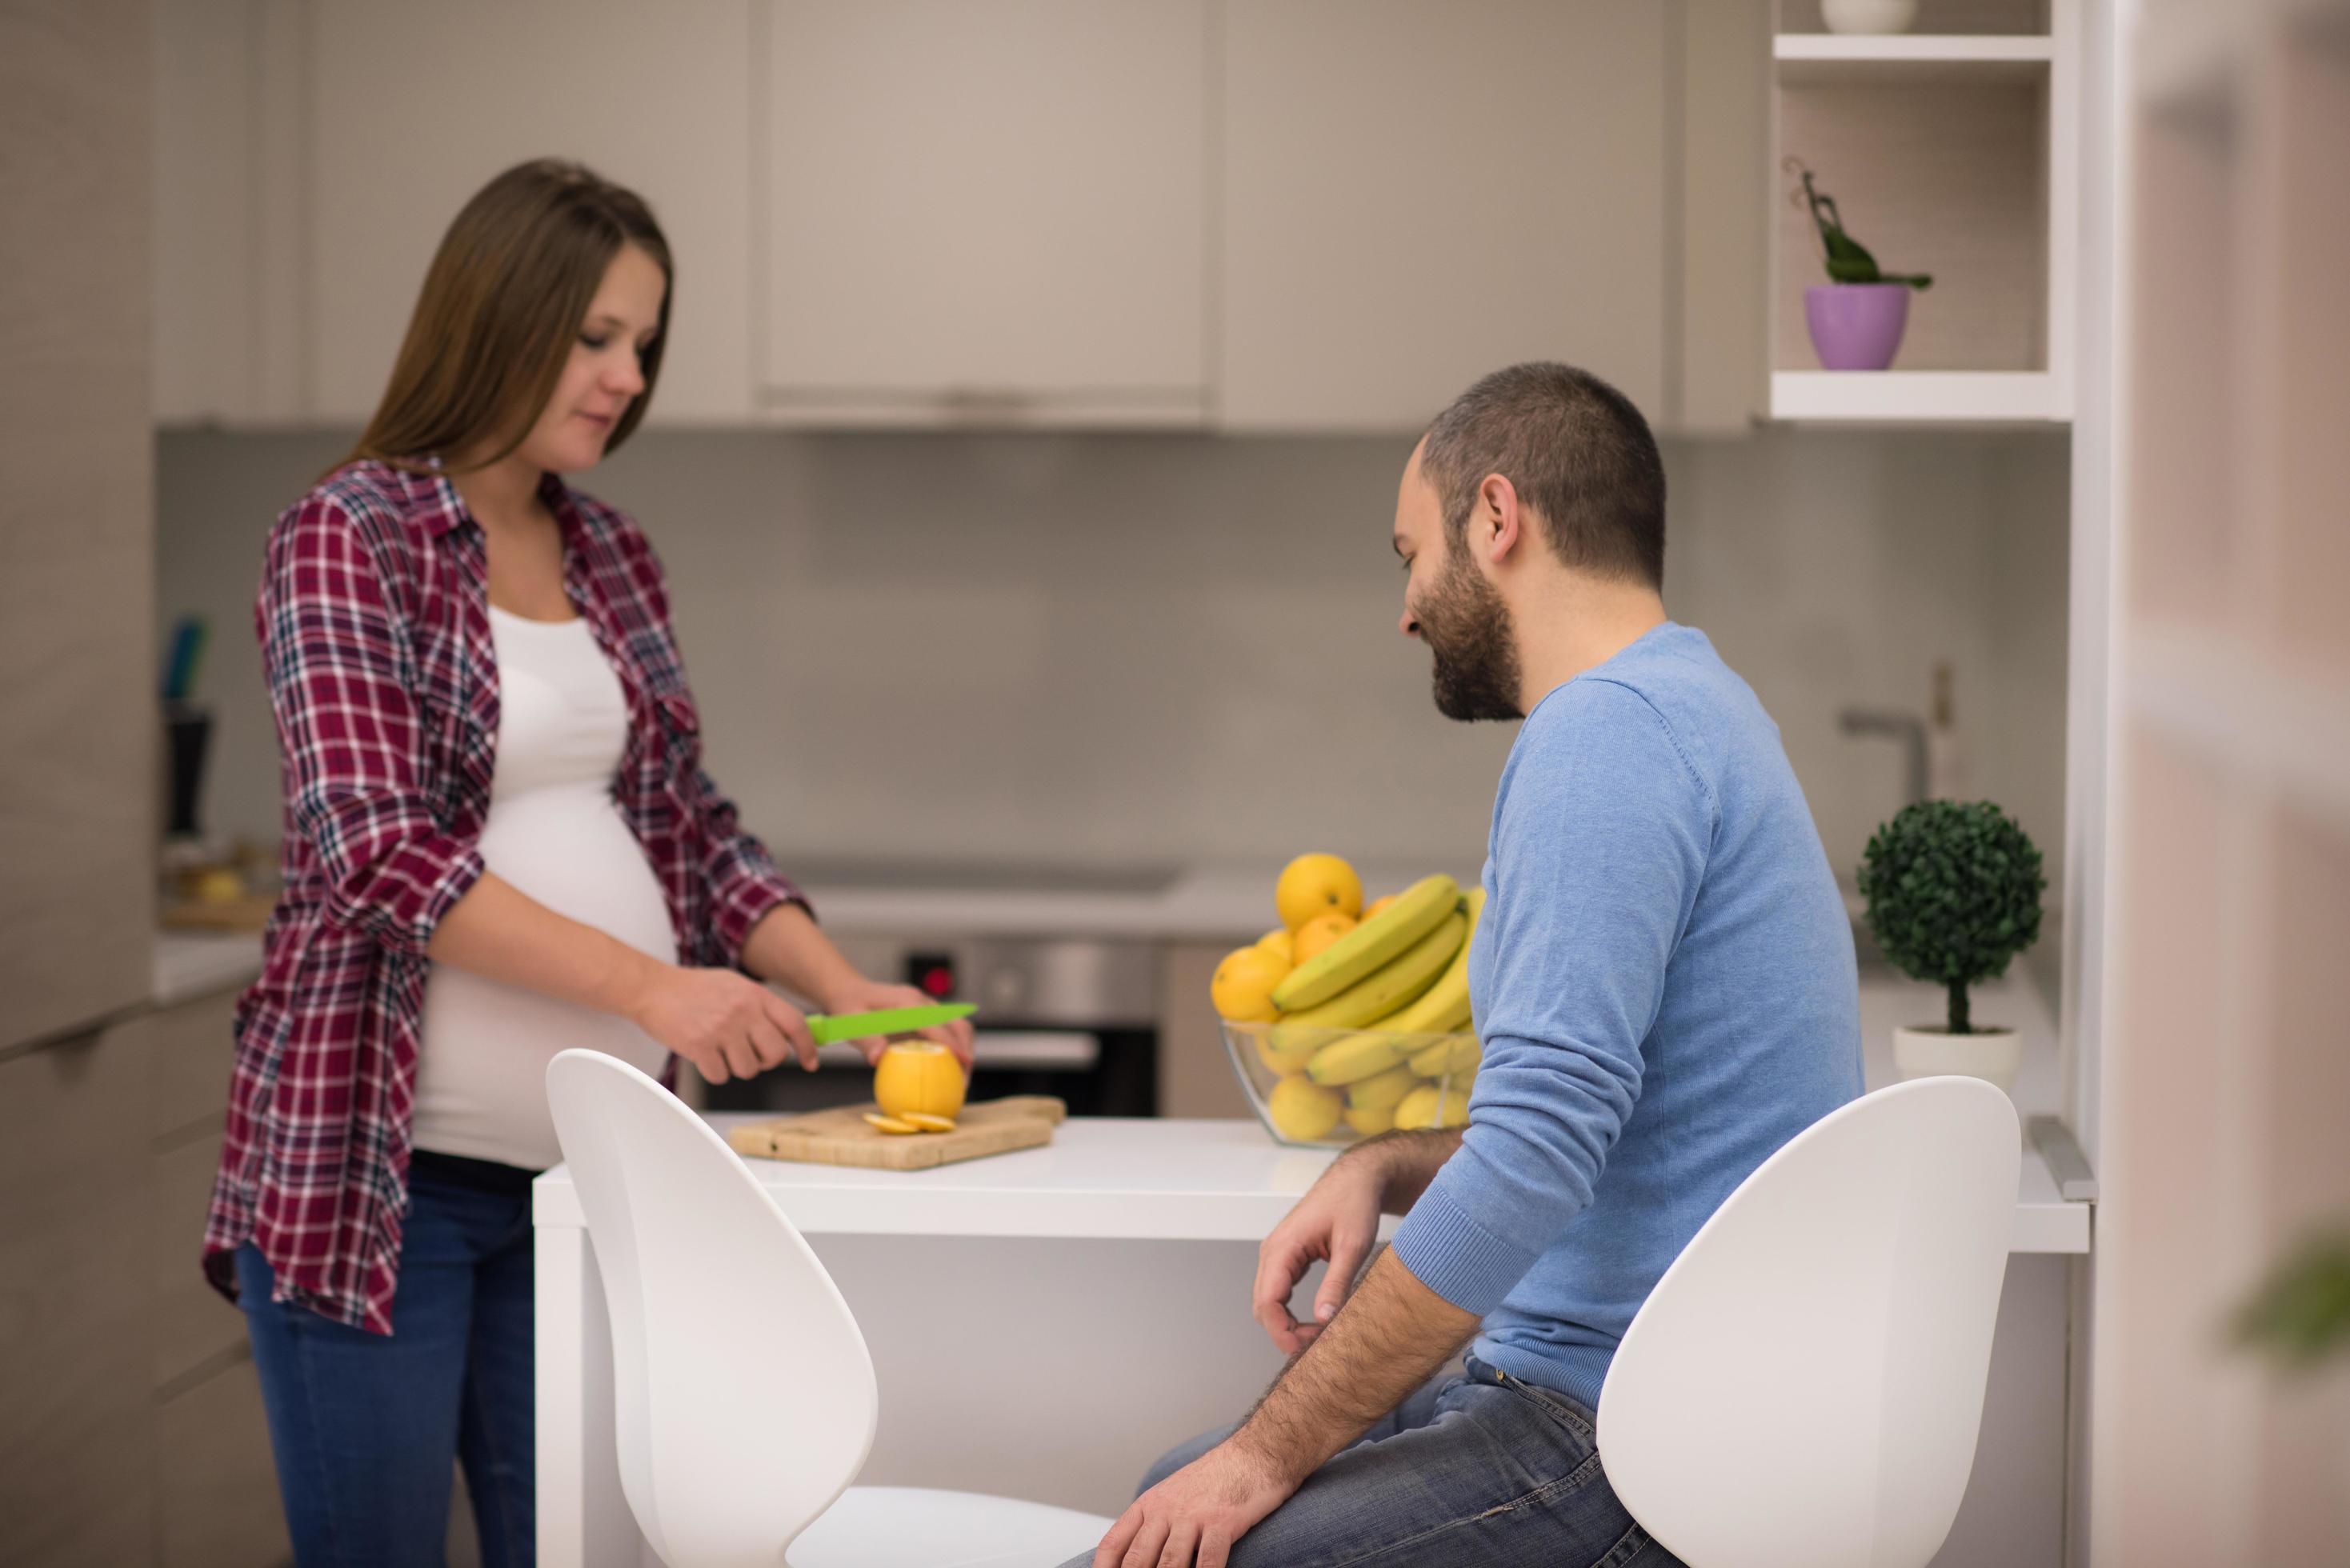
{"type": "Point", "coordinates": [1468, 630]}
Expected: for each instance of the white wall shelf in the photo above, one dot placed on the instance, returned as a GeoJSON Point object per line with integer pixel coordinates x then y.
{"type": "Point", "coordinates": [1951, 152]}
{"type": "Point", "coordinates": [1808, 59]}
{"type": "Point", "coordinates": [1917, 397]}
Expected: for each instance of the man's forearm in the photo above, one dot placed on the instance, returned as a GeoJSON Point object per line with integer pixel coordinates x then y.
{"type": "Point", "coordinates": [1411, 1160]}
{"type": "Point", "coordinates": [1389, 1339]}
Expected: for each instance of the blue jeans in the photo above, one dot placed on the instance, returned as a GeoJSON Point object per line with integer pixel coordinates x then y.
{"type": "Point", "coordinates": [1481, 1469]}
{"type": "Point", "coordinates": [367, 1430]}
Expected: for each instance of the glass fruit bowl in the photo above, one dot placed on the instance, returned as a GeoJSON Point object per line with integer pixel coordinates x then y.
{"type": "Point", "coordinates": [1326, 1088]}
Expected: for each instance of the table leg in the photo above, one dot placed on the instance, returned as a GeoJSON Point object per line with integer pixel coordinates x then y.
{"type": "Point", "coordinates": [583, 1518]}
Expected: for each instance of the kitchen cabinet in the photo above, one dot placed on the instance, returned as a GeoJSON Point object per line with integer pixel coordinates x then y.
{"type": "Point", "coordinates": [414, 106]}
{"type": "Point", "coordinates": [994, 210]}
{"type": "Point", "coordinates": [1283, 216]}
{"type": "Point", "coordinates": [1415, 194]}
{"type": "Point", "coordinates": [78, 792]}
{"type": "Point", "coordinates": [216, 1484]}
{"type": "Point", "coordinates": [76, 1436]}
{"type": "Point", "coordinates": [133, 1430]}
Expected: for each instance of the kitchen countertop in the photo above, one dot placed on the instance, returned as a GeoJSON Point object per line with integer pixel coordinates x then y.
{"type": "Point", "coordinates": [1213, 901]}
{"type": "Point", "coordinates": [1110, 1178]}
{"type": "Point", "coordinates": [190, 964]}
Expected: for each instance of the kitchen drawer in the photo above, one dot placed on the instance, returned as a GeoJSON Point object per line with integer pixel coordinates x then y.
{"type": "Point", "coordinates": [188, 1049]}
{"type": "Point", "coordinates": [193, 1324]}
{"type": "Point", "coordinates": [74, 1402]}
{"type": "Point", "coordinates": [216, 1487]}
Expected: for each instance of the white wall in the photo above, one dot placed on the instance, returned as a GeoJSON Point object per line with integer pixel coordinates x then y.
{"type": "Point", "coordinates": [1132, 648]}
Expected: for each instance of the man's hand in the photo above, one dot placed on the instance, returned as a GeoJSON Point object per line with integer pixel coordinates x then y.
{"type": "Point", "coordinates": [1195, 1515]}
{"type": "Point", "coordinates": [1337, 1221]}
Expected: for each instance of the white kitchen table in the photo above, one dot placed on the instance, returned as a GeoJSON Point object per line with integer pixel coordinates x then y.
{"type": "Point", "coordinates": [1042, 1324]}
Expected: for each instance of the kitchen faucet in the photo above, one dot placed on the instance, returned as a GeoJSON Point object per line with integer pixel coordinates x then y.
{"type": "Point", "coordinates": [1900, 725]}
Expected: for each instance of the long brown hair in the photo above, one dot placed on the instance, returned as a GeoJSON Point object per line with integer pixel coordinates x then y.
{"type": "Point", "coordinates": [501, 302]}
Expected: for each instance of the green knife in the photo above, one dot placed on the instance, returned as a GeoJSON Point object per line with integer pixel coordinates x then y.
{"type": "Point", "coordinates": [890, 1021]}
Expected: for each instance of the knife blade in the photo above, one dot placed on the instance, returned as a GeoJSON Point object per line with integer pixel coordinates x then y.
{"type": "Point", "coordinates": [888, 1021]}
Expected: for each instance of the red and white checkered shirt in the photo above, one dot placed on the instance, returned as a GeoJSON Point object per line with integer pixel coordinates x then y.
{"type": "Point", "coordinates": [375, 636]}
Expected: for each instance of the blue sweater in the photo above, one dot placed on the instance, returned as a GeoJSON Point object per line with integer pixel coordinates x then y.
{"type": "Point", "coordinates": [1663, 981]}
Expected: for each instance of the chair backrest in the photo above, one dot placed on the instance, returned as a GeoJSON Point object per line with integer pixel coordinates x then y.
{"type": "Point", "coordinates": [744, 1400]}
{"type": "Point", "coordinates": [1804, 1384]}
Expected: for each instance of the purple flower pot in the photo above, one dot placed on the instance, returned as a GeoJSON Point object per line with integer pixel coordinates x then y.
{"type": "Point", "coordinates": [1856, 326]}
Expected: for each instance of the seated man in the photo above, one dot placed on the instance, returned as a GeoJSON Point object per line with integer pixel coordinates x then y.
{"type": "Point", "coordinates": [1663, 981]}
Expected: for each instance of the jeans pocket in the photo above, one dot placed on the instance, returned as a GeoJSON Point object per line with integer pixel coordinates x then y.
{"type": "Point", "coordinates": [1557, 1406]}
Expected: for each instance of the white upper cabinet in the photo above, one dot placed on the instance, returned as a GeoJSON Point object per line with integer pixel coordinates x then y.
{"type": "Point", "coordinates": [1239, 215]}
{"type": "Point", "coordinates": [416, 105]}
{"type": "Point", "coordinates": [984, 208]}
{"type": "Point", "coordinates": [1417, 193]}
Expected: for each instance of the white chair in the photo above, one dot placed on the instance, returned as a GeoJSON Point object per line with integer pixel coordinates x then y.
{"type": "Point", "coordinates": [1803, 1388]}
{"type": "Point", "coordinates": [744, 1401]}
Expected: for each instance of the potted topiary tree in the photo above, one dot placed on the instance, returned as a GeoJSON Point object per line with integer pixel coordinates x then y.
{"type": "Point", "coordinates": [1953, 893]}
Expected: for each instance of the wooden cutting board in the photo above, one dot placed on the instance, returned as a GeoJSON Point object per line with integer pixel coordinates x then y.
{"type": "Point", "coordinates": [843, 1136]}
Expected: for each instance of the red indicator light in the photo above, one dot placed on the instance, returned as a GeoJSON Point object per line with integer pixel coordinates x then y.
{"type": "Point", "coordinates": [938, 981]}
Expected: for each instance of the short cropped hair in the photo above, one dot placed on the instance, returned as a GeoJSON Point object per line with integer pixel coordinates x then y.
{"type": "Point", "coordinates": [1578, 453]}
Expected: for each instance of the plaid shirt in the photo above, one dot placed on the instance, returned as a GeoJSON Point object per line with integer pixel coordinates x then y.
{"type": "Point", "coordinates": [375, 637]}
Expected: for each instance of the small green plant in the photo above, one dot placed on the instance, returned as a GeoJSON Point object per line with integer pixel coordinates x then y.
{"type": "Point", "coordinates": [1953, 893]}
{"type": "Point", "coordinates": [2301, 1312]}
{"type": "Point", "coordinates": [1849, 260]}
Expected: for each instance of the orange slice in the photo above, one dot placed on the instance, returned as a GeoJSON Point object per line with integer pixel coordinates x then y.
{"type": "Point", "coordinates": [891, 1124]}
{"type": "Point", "coordinates": [928, 1123]}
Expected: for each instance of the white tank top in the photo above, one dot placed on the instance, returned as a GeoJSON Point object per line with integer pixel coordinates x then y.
{"type": "Point", "coordinates": [555, 831]}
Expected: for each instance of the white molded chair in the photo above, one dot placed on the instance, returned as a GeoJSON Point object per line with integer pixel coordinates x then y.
{"type": "Point", "coordinates": [1804, 1386]}
{"type": "Point", "coordinates": [744, 1401]}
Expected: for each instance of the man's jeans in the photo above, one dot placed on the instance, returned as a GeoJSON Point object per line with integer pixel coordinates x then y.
{"type": "Point", "coordinates": [1481, 1468]}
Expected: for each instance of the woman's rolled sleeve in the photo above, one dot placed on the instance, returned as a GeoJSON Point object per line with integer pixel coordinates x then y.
{"type": "Point", "coordinates": [339, 664]}
{"type": "Point", "coordinates": [739, 877]}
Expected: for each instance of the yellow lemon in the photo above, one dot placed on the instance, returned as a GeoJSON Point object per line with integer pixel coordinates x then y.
{"type": "Point", "coordinates": [1318, 933]}
{"type": "Point", "coordinates": [1369, 1123]}
{"type": "Point", "coordinates": [1283, 1057]}
{"type": "Point", "coordinates": [1304, 1109]}
{"type": "Point", "coordinates": [1419, 1109]}
{"type": "Point", "coordinates": [1382, 1091]}
{"type": "Point", "coordinates": [891, 1125]}
{"type": "Point", "coordinates": [1242, 987]}
{"type": "Point", "coordinates": [1312, 884]}
{"type": "Point", "coordinates": [1276, 943]}
{"type": "Point", "coordinates": [919, 1075]}
{"type": "Point", "coordinates": [926, 1123]}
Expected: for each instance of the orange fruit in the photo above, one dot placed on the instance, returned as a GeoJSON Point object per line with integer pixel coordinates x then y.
{"type": "Point", "coordinates": [1319, 932]}
{"type": "Point", "coordinates": [1315, 884]}
{"type": "Point", "coordinates": [1277, 942]}
{"type": "Point", "coordinates": [918, 1076]}
{"type": "Point", "coordinates": [1242, 987]}
{"type": "Point", "coordinates": [1375, 904]}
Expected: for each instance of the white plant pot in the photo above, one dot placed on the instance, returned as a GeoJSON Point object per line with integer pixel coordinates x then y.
{"type": "Point", "coordinates": [1868, 15]}
{"type": "Point", "coordinates": [1931, 1051]}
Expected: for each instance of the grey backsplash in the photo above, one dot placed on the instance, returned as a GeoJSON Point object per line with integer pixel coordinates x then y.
{"type": "Point", "coordinates": [1131, 648]}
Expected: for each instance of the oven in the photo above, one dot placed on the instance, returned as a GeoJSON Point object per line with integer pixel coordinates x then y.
{"type": "Point", "coordinates": [1074, 1017]}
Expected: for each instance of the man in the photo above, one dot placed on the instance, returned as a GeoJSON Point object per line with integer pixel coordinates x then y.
{"type": "Point", "coordinates": [1664, 985]}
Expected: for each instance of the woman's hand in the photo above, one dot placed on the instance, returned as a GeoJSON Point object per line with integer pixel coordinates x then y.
{"type": "Point", "coordinates": [858, 994]}
{"type": "Point", "coordinates": [726, 1023]}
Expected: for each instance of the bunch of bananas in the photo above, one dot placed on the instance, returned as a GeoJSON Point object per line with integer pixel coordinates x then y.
{"type": "Point", "coordinates": [1361, 1019]}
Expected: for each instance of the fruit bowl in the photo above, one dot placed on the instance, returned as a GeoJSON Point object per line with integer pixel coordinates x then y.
{"type": "Point", "coordinates": [1384, 1079]}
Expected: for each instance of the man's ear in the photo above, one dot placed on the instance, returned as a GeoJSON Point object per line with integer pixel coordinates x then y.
{"type": "Point", "coordinates": [1497, 524]}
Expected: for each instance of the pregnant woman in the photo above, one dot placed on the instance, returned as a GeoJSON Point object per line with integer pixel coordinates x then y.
{"type": "Point", "coordinates": [499, 844]}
